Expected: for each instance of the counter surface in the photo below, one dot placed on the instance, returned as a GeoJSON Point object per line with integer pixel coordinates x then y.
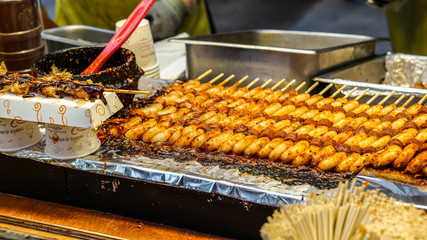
{"type": "Point", "coordinates": [88, 223]}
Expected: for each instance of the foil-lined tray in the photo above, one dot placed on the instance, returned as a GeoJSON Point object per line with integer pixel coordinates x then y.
{"type": "Point", "coordinates": [211, 179]}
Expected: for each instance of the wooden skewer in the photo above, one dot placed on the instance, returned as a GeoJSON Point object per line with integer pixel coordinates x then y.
{"type": "Point", "coordinates": [338, 91]}
{"type": "Point", "coordinates": [422, 99]}
{"type": "Point", "coordinates": [216, 78]}
{"type": "Point", "coordinates": [408, 101]}
{"type": "Point", "coordinates": [266, 83]}
{"type": "Point", "coordinates": [278, 84]}
{"type": "Point", "coordinates": [400, 99]}
{"type": "Point", "coordinates": [204, 74]}
{"type": "Point", "coordinates": [252, 83]}
{"type": "Point", "coordinates": [387, 98]}
{"type": "Point", "coordinates": [312, 87]}
{"type": "Point", "coordinates": [226, 80]}
{"type": "Point", "coordinates": [241, 80]}
{"type": "Point", "coordinates": [300, 86]}
{"type": "Point", "coordinates": [373, 98]}
{"type": "Point", "coordinates": [349, 93]}
{"type": "Point", "coordinates": [125, 91]}
{"type": "Point", "coordinates": [288, 85]}
{"type": "Point", "coordinates": [363, 94]}
{"type": "Point", "coordinates": [326, 88]}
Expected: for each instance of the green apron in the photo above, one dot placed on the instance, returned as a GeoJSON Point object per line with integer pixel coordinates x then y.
{"type": "Point", "coordinates": [88, 12]}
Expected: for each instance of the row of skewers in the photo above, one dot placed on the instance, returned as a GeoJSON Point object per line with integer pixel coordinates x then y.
{"type": "Point", "coordinates": [328, 133]}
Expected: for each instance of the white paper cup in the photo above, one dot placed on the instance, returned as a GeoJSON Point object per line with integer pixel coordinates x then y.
{"type": "Point", "coordinates": [17, 134]}
{"type": "Point", "coordinates": [64, 142]}
{"type": "Point", "coordinates": [153, 72]}
{"type": "Point", "coordinates": [152, 68]}
{"type": "Point", "coordinates": [141, 44]}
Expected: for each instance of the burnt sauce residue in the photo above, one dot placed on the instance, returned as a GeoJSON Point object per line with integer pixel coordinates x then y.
{"type": "Point", "coordinates": [257, 166]}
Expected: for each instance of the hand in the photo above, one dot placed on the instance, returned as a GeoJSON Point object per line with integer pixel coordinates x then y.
{"type": "Point", "coordinates": [165, 17]}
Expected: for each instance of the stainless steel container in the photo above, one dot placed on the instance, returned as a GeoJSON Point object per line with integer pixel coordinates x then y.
{"type": "Point", "coordinates": [369, 73]}
{"type": "Point", "coordinates": [20, 34]}
{"type": "Point", "coordinates": [274, 54]}
{"type": "Point", "coordinates": [74, 36]}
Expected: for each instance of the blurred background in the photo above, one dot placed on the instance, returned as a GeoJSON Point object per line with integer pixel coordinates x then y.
{"type": "Point", "coordinates": [339, 16]}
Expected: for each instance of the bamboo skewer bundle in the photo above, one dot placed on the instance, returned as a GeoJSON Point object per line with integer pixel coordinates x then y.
{"type": "Point", "coordinates": [348, 212]}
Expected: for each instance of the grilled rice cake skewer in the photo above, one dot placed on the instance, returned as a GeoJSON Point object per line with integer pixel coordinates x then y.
{"type": "Point", "coordinates": [56, 87]}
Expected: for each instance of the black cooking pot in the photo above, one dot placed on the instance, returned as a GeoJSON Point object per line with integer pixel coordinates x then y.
{"type": "Point", "coordinates": [119, 72]}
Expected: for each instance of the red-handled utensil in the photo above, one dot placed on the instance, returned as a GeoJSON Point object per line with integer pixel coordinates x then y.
{"type": "Point", "coordinates": [121, 36]}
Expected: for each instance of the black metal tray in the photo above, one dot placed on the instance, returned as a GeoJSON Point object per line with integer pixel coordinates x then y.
{"type": "Point", "coordinates": [188, 208]}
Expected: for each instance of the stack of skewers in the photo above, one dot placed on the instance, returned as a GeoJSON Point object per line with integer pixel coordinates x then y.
{"type": "Point", "coordinates": [346, 213]}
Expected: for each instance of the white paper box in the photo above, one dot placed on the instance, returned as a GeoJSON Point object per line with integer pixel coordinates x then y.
{"type": "Point", "coordinates": [65, 111]}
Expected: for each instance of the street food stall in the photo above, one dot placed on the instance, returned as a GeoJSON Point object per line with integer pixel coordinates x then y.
{"type": "Point", "coordinates": [262, 119]}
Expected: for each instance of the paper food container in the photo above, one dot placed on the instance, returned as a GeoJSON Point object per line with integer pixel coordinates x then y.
{"type": "Point", "coordinates": [65, 111]}
{"type": "Point", "coordinates": [70, 123]}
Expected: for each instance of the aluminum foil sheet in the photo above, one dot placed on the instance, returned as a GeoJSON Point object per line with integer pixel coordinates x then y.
{"type": "Point", "coordinates": [212, 179]}
{"type": "Point", "coordinates": [406, 70]}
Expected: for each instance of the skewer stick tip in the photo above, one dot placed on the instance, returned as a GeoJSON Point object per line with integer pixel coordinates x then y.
{"type": "Point", "coordinates": [300, 86]}
{"type": "Point", "coordinates": [312, 87]}
{"type": "Point", "coordinates": [387, 97]}
{"type": "Point", "coordinates": [326, 88]}
{"type": "Point", "coordinates": [126, 91]}
{"type": "Point", "coordinates": [408, 101]}
{"type": "Point", "coordinates": [400, 99]}
{"type": "Point", "coordinates": [373, 98]}
{"type": "Point", "coordinates": [278, 83]}
{"type": "Point", "coordinates": [363, 94]}
{"type": "Point", "coordinates": [422, 99]}
{"type": "Point", "coordinates": [241, 80]}
{"type": "Point", "coordinates": [252, 83]}
{"type": "Point", "coordinates": [351, 92]}
{"type": "Point", "coordinates": [226, 80]}
{"type": "Point", "coordinates": [266, 83]}
{"type": "Point", "coordinates": [338, 91]}
{"type": "Point", "coordinates": [204, 74]}
{"type": "Point", "coordinates": [288, 85]}
{"type": "Point", "coordinates": [216, 78]}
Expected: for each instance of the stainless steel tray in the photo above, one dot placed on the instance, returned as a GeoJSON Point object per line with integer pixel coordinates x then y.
{"type": "Point", "coordinates": [370, 74]}
{"type": "Point", "coordinates": [275, 54]}
{"type": "Point", "coordinates": [74, 36]}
